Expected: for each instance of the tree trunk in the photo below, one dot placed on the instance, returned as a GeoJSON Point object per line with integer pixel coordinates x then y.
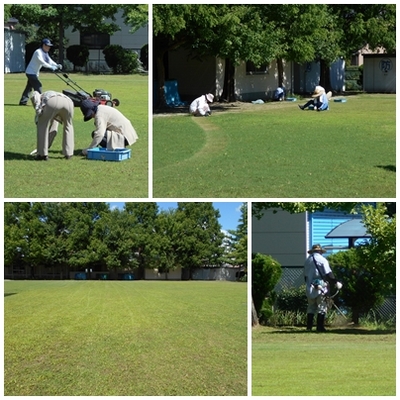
{"type": "Point", "coordinates": [254, 316]}
{"type": "Point", "coordinates": [325, 76]}
{"type": "Point", "coordinates": [355, 316]}
{"type": "Point", "coordinates": [279, 63]}
{"type": "Point", "coordinates": [228, 92]}
{"type": "Point", "coordinates": [61, 43]}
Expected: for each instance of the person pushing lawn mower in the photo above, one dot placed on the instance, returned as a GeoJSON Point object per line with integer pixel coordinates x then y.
{"type": "Point", "coordinates": [319, 278]}
{"type": "Point", "coordinates": [113, 129]}
{"type": "Point", "coordinates": [39, 59]}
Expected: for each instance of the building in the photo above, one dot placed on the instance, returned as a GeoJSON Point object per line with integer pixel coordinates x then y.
{"type": "Point", "coordinates": [250, 83]}
{"type": "Point", "coordinates": [14, 48]}
{"type": "Point", "coordinates": [379, 73]}
{"type": "Point", "coordinates": [96, 42]}
{"type": "Point", "coordinates": [287, 238]}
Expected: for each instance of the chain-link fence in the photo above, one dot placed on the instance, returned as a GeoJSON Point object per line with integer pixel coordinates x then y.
{"type": "Point", "coordinates": [294, 278]}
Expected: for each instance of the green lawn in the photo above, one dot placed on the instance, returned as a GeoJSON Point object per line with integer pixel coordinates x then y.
{"type": "Point", "coordinates": [125, 338]}
{"type": "Point", "coordinates": [277, 150]}
{"type": "Point", "coordinates": [78, 177]}
{"type": "Point", "coordinates": [343, 362]}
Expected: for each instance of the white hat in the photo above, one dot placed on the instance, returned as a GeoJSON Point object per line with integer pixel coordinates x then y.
{"type": "Point", "coordinates": [210, 97]}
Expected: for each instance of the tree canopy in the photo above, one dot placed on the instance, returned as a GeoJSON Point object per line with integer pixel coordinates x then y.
{"type": "Point", "coordinates": [53, 19]}
{"type": "Point", "coordinates": [91, 235]}
{"type": "Point", "coordinates": [260, 33]}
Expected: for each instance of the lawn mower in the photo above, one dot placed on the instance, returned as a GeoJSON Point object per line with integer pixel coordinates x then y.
{"type": "Point", "coordinates": [78, 94]}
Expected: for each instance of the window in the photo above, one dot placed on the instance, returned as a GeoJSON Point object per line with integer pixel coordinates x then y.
{"type": "Point", "coordinates": [252, 70]}
{"type": "Point", "coordinates": [95, 40]}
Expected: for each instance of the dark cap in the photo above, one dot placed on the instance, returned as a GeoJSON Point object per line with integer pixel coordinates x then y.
{"type": "Point", "coordinates": [47, 42]}
{"type": "Point", "coordinates": [88, 107]}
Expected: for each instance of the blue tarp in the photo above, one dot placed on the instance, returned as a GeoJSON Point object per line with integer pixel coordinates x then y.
{"type": "Point", "coordinates": [172, 95]}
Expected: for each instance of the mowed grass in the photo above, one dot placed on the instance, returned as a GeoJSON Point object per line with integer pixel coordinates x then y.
{"type": "Point", "coordinates": [125, 338]}
{"type": "Point", "coordinates": [78, 177]}
{"type": "Point", "coordinates": [338, 363]}
{"type": "Point", "coordinates": [277, 150]}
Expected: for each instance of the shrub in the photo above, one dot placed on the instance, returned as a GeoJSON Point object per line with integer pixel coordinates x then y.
{"type": "Point", "coordinates": [78, 55]}
{"type": "Point", "coordinates": [265, 274]}
{"type": "Point", "coordinates": [293, 299]}
{"type": "Point", "coordinates": [122, 61]}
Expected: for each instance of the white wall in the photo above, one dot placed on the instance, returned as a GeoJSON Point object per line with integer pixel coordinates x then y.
{"type": "Point", "coordinates": [253, 87]}
{"type": "Point", "coordinates": [153, 274]}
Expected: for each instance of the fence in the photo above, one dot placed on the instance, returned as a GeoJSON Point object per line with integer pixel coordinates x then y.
{"type": "Point", "coordinates": [293, 277]}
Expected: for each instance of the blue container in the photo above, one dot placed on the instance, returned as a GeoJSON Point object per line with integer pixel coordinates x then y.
{"type": "Point", "coordinates": [128, 277]}
{"type": "Point", "coordinates": [80, 276]}
{"type": "Point", "coordinates": [98, 153]}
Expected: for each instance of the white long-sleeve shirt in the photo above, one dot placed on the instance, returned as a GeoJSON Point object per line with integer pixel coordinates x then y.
{"type": "Point", "coordinates": [199, 106]}
{"type": "Point", "coordinates": [39, 59]}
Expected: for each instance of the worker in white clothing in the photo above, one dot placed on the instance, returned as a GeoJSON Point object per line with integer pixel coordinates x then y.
{"type": "Point", "coordinates": [200, 106]}
{"type": "Point", "coordinates": [51, 109]}
{"type": "Point", "coordinates": [319, 278]}
{"type": "Point", "coordinates": [39, 59]}
{"type": "Point", "coordinates": [113, 129]}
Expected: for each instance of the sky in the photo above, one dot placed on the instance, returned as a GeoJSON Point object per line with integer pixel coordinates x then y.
{"type": "Point", "coordinates": [230, 211]}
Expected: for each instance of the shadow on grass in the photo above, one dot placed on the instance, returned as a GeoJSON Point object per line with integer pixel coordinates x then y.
{"type": "Point", "coordinates": [9, 155]}
{"type": "Point", "coordinates": [216, 107]}
{"type": "Point", "coordinates": [390, 168]}
{"type": "Point", "coordinates": [8, 294]}
{"type": "Point", "coordinates": [339, 331]}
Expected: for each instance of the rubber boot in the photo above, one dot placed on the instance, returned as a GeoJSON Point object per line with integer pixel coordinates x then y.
{"type": "Point", "coordinates": [310, 321]}
{"type": "Point", "coordinates": [320, 322]}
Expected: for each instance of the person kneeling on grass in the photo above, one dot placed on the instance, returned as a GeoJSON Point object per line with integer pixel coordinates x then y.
{"type": "Point", "coordinates": [320, 100]}
{"type": "Point", "coordinates": [200, 106]}
{"type": "Point", "coordinates": [51, 109]}
{"type": "Point", "coordinates": [113, 129]}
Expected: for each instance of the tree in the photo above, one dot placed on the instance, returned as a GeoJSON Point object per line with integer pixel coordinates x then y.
{"type": "Point", "coordinates": [368, 271]}
{"type": "Point", "coordinates": [237, 241]}
{"type": "Point", "coordinates": [266, 273]}
{"type": "Point", "coordinates": [78, 55]}
{"type": "Point", "coordinates": [200, 239]}
{"type": "Point", "coordinates": [56, 18]}
{"type": "Point", "coordinates": [143, 220]}
{"type": "Point", "coordinates": [232, 32]}
{"type": "Point", "coordinates": [165, 256]}
{"type": "Point", "coordinates": [299, 207]}
{"type": "Point", "coordinates": [135, 15]}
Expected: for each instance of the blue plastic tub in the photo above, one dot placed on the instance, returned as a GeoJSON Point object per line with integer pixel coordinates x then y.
{"type": "Point", "coordinates": [99, 153]}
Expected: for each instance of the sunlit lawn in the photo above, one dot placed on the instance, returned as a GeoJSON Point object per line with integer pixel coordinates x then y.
{"type": "Point", "coordinates": [277, 150]}
{"type": "Point", "coordinates": [136, 338]}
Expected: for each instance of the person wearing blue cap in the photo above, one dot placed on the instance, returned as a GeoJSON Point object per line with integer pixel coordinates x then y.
{"type": "Point", "coordinates": [39, 59]}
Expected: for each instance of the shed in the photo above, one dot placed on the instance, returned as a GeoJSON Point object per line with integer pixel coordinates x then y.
{"type": "Point", "coordinates": [379, 73]}
{"type": "Point", "coordinates": [14, 51]}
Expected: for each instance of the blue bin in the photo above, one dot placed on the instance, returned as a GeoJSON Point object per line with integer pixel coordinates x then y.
{"type": "Point", "coordinates": [80, 276]}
